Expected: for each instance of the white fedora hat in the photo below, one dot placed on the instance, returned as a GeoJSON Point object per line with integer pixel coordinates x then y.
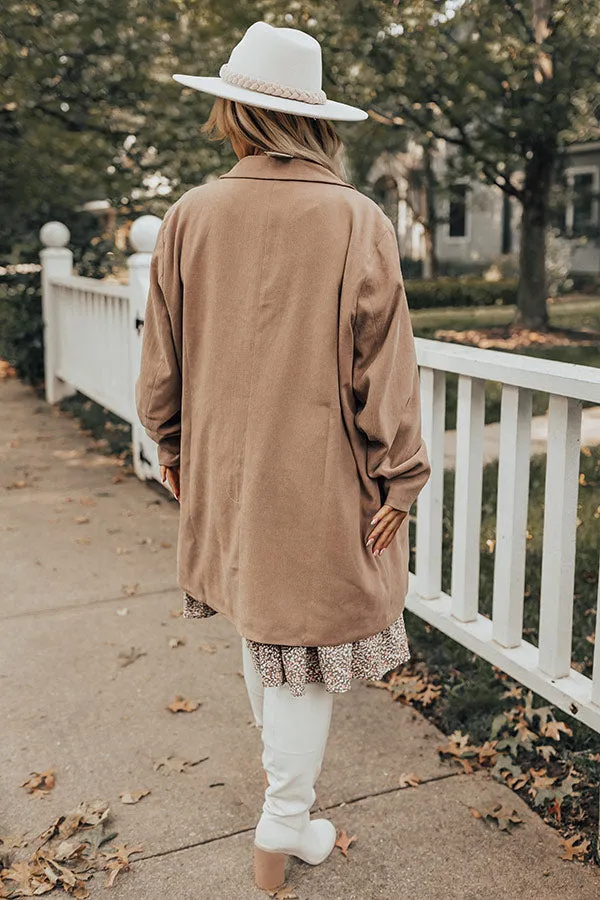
{"type": "Point", "coordinates": [275, 68]}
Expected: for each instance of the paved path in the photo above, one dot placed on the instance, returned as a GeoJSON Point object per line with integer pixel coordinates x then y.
{"type": "Point", "coordinates": [74, 542]}
{"type": "Point", "coordinates": [590, 436]}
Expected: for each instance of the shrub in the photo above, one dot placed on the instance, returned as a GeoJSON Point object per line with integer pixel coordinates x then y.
{"type": "Point", "coordinates": [466, 291]}
{"type": "Point", "coordinates": [21, 328]}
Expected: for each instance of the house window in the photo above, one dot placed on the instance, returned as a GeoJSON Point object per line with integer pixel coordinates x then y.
{"type": "Point", "coordinates": [580, 213]}
{"type": "Point", "coordinates": [583, 202]}
{"type": "Point", "coordinates": [457, 212]}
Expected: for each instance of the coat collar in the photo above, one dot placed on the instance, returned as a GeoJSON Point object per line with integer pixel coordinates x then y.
{"type": "Point", "coordinates": [272, 168]}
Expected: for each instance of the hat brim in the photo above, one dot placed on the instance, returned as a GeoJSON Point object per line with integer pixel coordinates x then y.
{"type": "Point", "coordinates": [331, 109]}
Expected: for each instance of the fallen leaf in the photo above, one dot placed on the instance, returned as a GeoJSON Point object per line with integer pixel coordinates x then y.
{"type": "Point", "coordinates": [285, 892]}
{"type": "Point", "coordinates": [208, 648]}
{"type": "Point", "coordinates": [127, 657]}
{"type": "Point", "coordinates": [130, 589]}
{"type": "Point", "coordinates": [575, 847]}
{"type": "Point", "coordinates": [40, 782]}
{"type": "Point", "coordinates": [16, 484]}
{"type": "Point", "coordinates": [167, 764]}
{"type": "Point", "coordinates": [553, 729]}
{"type": "Point", "coordinates": [123, 611]}
{"type": "Point", "coordinates": [81, 520]}
{"type": "Point", "coordinates": [504, 816]}
{"type": "Point", "coordinates": [176, 642]}
{"type": "Point", "coordinates": [409, 780]}
{"type": "Point", "coordinates": [343, 842]}
{"type": "Point", "coordinates": [122, 551]}
{"type": "Point", "coordinates": [175, 613]}
{"type": "Point", "coordinates": [130, 797]}
{"type": "Point", "coordinates": [180, 704]}
{"type": "Point", "coordinates": [547, 751]}
{"type": "Point", "coordinates": [166, 545]}
{"type": "Point", "coordinates": [118, 861]}
{"type": "Point", "coordinates": [11, 841]}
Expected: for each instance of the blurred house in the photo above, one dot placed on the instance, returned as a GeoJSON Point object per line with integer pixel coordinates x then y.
{"type": "Point", "coordinates": [456, 224]}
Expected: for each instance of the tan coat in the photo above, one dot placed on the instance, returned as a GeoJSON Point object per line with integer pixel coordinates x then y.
{"type": "Point", "coordinates": [278, 368]}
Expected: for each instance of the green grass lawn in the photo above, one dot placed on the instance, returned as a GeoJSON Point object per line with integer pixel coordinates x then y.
{"type": "Point", "coordinates": [578, 314]}
{"type": "Point", "coordinates": [474, 695]}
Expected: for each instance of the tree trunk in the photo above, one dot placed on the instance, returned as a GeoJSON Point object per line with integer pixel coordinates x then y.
{"type": "Point", "coordinates": [532, 311]}
{"type": "Point", "coordinates": [429, 216]}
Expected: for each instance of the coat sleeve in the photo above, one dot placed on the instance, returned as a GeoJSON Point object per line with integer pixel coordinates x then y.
{"type": "Point", "coordinates": [158, 386]}
{"type": "Point", "coordinates": [386, 380]}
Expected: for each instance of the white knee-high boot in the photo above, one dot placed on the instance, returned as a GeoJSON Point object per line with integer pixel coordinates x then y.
{"type": "Point", "coordinates": [295, 732]}
{"type": "Point", "coordinates": [254, 685]}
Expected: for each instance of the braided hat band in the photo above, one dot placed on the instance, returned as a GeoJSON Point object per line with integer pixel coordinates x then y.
{"type": "Point", "coordinates": [270, 87]}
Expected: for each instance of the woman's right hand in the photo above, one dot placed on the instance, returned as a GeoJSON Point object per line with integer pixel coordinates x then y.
{"type": "Point", "coordinates": [387, 521]}
{"type": "Point", "coordinates": [171, 476]}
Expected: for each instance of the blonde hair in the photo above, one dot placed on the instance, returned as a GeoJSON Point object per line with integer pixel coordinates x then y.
{"type": "Point", "coordinates": [257, 130]}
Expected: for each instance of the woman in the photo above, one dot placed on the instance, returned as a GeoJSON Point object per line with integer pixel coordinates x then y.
{"type": "Point", "coordinates": [280, 383]}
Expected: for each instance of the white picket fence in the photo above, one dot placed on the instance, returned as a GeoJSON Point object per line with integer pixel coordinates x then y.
{"type": "Point", "coordinates": [92, 340]}
{"type": "Point", "coordinates": [93, 331]}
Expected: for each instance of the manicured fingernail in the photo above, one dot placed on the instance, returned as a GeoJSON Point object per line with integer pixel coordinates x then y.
{"type": "Point", "coordinates": [373, 521]}
{"type": "Point", "coordinates": [370, 541]}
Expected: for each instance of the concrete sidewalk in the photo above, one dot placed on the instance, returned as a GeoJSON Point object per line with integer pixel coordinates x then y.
{"type": "Point", "coordinates": [87, 573]}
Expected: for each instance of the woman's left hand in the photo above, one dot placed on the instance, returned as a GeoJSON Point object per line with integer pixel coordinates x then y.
{"type": "Point", "coordinates": [171, 476]}
{"type": "Point", "coordinates": [387, 521]}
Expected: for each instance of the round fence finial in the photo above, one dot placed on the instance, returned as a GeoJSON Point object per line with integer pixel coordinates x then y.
{"type": "Point", "coordinates": [54, 234]}
{"type": "Point", "coordinates": [144, 232]}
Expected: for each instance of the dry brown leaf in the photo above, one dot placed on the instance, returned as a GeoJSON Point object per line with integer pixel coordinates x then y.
{"type": "Point", "coordinates": [21, 483]}
{"type": "Point", "coordinates": [11, 841]}
{"type": "Point", "coordinates": [176, 613]}
{"type": "Point", "coordinates": [127, 657]}
{"type": "Point", "coordinates": [409, 779]}
{"type": "Point", "coordinates": [505, 816]}
{"type": "Point", "coordinates": [168, 764]}
{"type": "Point", "coordinates": [40, 782]}
{"type": "Point", "coordinates": [547, 751]}
{"type": "Point", "coordinates": [575, 847]}
{"type": "Point", "coordinates": [130, 589]}
{"type": "Point", "coordinates": [180, 704]}
{"type": "Point", "coordinates": [343, 842]}
{"type": "Point", "coordinates": [285, 892]}
{"type": "Point", "coordinates": [541, 781]}
{"type": "Point", "coordinates": [21, 874]}
{"type": "Point", "coordinates": [81, 520]}
{"type": "Point", "coordinates": [130, 797]}
{"type": "Point", "coordinates": [118, 861]}
{"type": "Point", "coordinates": [552, 729]}
{"type": "Point", "coordinates": [208, 648]}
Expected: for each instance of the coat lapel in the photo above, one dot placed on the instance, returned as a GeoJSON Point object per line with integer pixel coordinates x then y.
{"type": "Point", "coordinates": [272, 168]}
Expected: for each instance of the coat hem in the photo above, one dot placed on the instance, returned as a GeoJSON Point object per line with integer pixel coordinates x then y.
{"type": "Point", "coordinates": [192, 612]}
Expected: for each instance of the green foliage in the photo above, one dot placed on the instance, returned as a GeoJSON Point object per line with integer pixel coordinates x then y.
{"type": "Point", "coordinates": [21, 328]}
{"type": "Point", "coordinates": [111, 433]}
{"type": "Point", "coordinates": [467, 291]}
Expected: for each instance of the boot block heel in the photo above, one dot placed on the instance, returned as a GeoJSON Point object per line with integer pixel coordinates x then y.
{"type": "Point", "coordinates": [269, 869]}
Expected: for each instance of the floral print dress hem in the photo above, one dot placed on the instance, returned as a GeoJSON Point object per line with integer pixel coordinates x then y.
{"type": "Point", "coordinates": [335, 666]}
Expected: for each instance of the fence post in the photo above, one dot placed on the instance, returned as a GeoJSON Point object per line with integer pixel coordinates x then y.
{"type": "Point", "coordinates": [57, 262]}
{"type": "Point", "coordinates": [142, 236]}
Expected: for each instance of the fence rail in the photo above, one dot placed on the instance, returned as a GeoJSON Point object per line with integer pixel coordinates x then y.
{"type": "Point", "coordinates": [547, 668]}
{"type": "Point", "coordinates": [93, 343]}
